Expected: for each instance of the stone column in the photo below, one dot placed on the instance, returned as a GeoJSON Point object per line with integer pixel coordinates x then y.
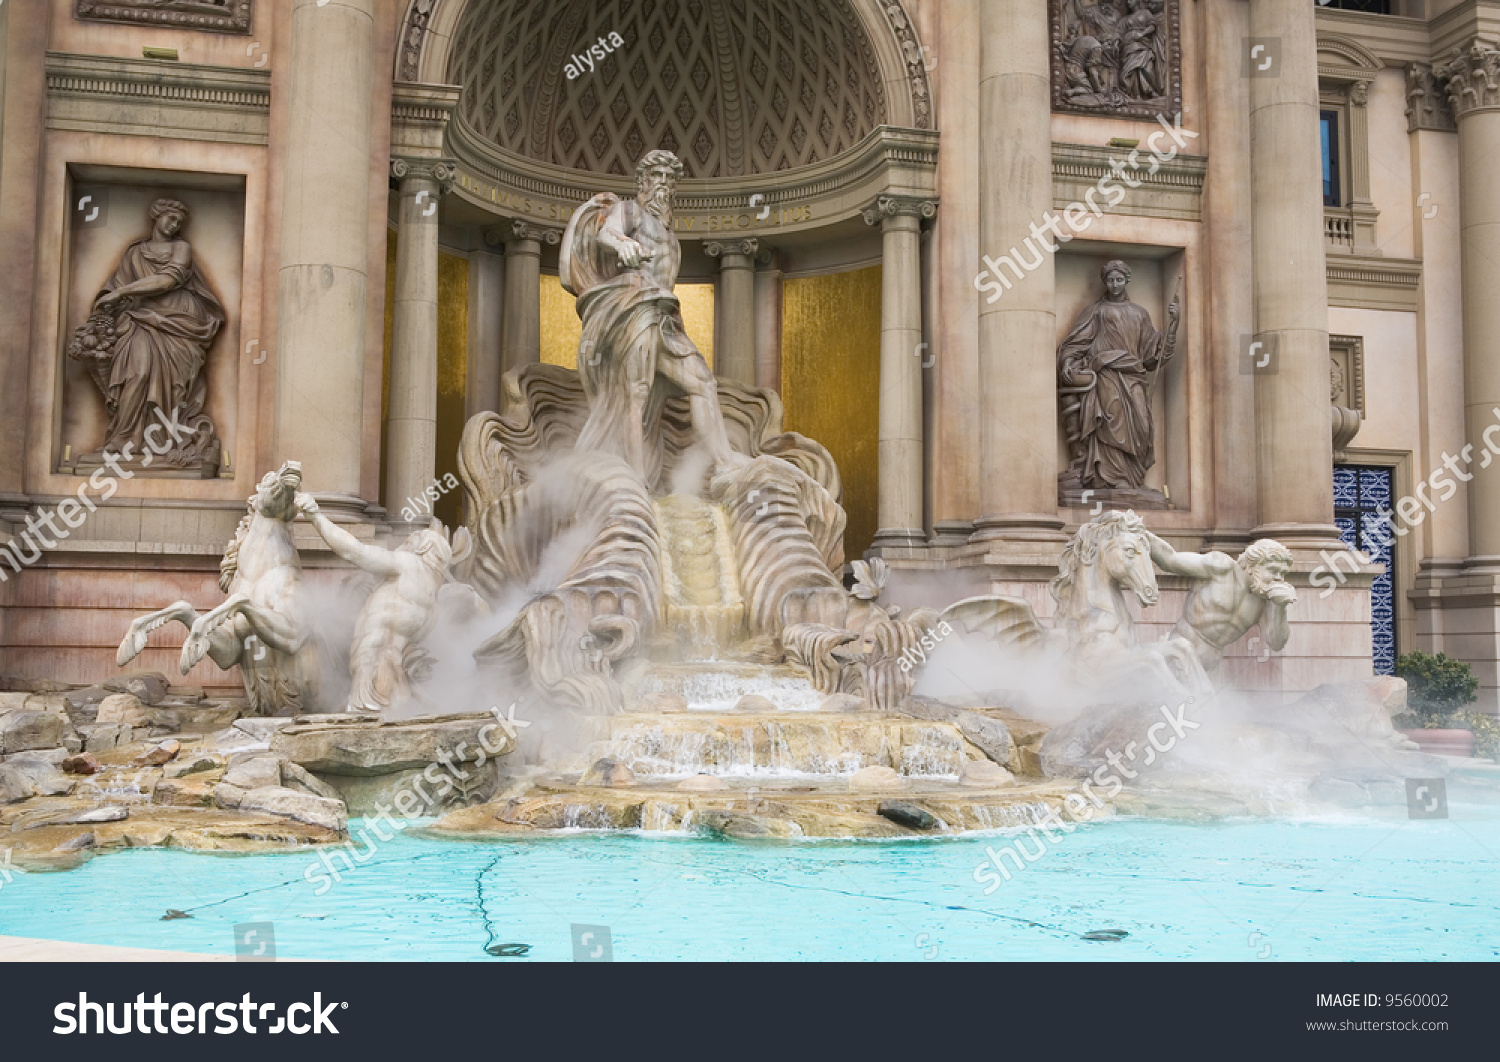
{"type": "Point", "coordinates": [768, 320]}
{"type": "Point", "coordinates": [1229, 270]}
{"type": "Point", "coordinates": [411, 419]}
{"type": "Point", "coordinates": [900, 502]}
{"type": "Point", "coordinates": [23, 108]}
{"type": "Point", "coordinates": [734, 351]}
{"type": "Point", "coordinates": [484, 364]}
{"type": "Point", "coordinates": [521, 325]}
{"type": "Point", "coordinates": [1294, 441]}
{"type": "Point", "coordinates": [1471, 78]}
{"type": "Point", "coordinates": [325, 224]}
{"type": "Point", "coordinates": [1018, 329]}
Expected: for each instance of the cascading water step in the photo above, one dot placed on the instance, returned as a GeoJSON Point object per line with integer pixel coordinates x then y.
{"type": "Point", "coordinates": [782, 744]}
{"type": "Point", "coordinates": [717, 686]}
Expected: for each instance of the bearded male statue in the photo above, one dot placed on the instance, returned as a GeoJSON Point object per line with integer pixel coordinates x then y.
{"type": "Point", "coordinates": [1229, 596]}
{"type": "Point", "coordinates": [620, 258]}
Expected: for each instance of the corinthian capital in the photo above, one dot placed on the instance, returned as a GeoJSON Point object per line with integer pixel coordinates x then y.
{"type": "Point", "coordinates": [1472, 78]}
{"type": "Point", "coordinates": [1426, 102]}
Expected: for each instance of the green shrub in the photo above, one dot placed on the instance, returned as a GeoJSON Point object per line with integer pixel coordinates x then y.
{"type": "Point", "coordinates": [1437, 686]}
{"type": "Point", "coordinates": [1486, 729]}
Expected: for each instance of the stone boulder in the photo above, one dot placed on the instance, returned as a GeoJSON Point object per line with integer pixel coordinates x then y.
{"type": "Point", "coordinates": [983, 774]}
{"type": "Point", "coordinates": [292, 804]}
{"type": "Point", "coordinates": [360, 747]}
{"type": "Point", "coordinates": [295, 776]}
{"type": "Point", "coordinates": [14, 785]}
{"type": "Point", "coordinates": [122, 708]}
{"type": "Point", "coordinates": [42, 774]}
{"type": "Point", "coordinates": [608, 773]}
{"type": "Point", "coordinates": [26, 730]}
{"type": "Point", "coordinates": [754, 702]}
{"type": "Point", "coordinates": [703, 783]}
{"type": "Point", "coordinates": [989, 735]}
{"type": "Point", "coordinates": [877, 777]}
{"type": "Point", "coordinates": [905, 813]}
{"type": "Point", "coordinates": [253, 771]}
{"type": "Point", "coordinates": [82, 763]}
{"type": "Point", "coordinates": [148, 686]}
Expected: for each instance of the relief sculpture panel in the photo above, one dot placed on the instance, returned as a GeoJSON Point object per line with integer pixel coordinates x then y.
{"type": "Point", "coordinates": [1119, 58]}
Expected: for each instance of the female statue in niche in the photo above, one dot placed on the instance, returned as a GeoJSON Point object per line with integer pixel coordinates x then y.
{"type": "Point", "coordinates": [1107, 368]}
{"type": "Point", "coordinates": [146, 340]}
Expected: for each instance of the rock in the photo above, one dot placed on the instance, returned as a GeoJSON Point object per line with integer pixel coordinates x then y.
{"type": "Point", "coordinates": [355, 745]}
{"type": "Point", "coordinates": [52, 756]}
{"type": "Point", "coordinates": [93, 816]}
{"type": "Point", "coordinates": [842, 702]}
{"type": "Point", "coordinates": [14, 785]}
{"type": "Point", "coordinates": [990, 736]}
{"type": "Point", "coordinates": [260, 729]}
{"type": "Point", "coordinates": [754, 702]}
{"type": "Point", "coordinates": [1389, 692]}
{"type": "Point", "coordinates": [123, 708]}
{"type": "Point", "coordinates": [83, 763]}
{"type": "Point", "coordinates": [194, 764]}
{"type": "Point", "coordinates": [148, 686]}
{"type": "Point", "coordinates": [228, 796]}
{"type": "Point", "coordinates": [72, 743]}
{"type": "Point", "coordinates": [703, 783]}
{"type": "Point", "coordinates": [662, 702]}
{"type": "Point", "coordinates": [78, 843]}
{"type": "Point", "coordinates": [177, 793]}
{"type": "Point", "coordinates": [16, 702]}
{"type": "Point", "coordinates": [608, 773]}
{"type": "Point", "coordinates": [20, 731]}
{"type": "Point", "coordinates": [982, 774]}
{"type": "Point", "coordinates": [193, 694]}
{"type": "Point", "coordinates": [253, 771]}
{"type": "Point", "coordinates": [303, 807]}
{"type": "Point", "coordinates": [295, 776]}
{"type": "Point", "coordinates": [732, 823]}
{"type": "Point", "coordinates": [105, 737]}
{"type": "Point", "coordinates": [904, 813]}
{"type": "Point", "coordinates": [42, 773]}
{"type": "Point", "coordinates": [88, 697]}
{"type": "Point", "coordinates": [878, 777]}
{"type": "Point", "coordinates": [166, 752]}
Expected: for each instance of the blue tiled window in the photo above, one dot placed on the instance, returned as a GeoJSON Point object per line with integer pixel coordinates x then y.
{"type": "Point", "coordinates": [1359, 495]}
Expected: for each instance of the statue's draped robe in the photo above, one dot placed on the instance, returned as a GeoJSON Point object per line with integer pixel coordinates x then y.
{"type": "Point", "coordinates": [1118, 344]}
{"type": "Point", "coordinates": [628, 322]}
{"type": "Point", "coordinates": [158, 358]}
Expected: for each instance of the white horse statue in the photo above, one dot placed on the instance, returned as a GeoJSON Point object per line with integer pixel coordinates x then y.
{"type": "Point", "coordinates": [262, 626]}
{"type": "Point", "coordinates": [1094, 629]}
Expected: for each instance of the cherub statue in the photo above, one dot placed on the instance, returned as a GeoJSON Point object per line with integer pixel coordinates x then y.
{"type": "Point", "coordinates": [387, 655]}
{"type": "Point", "coordinates": [1229, 596]}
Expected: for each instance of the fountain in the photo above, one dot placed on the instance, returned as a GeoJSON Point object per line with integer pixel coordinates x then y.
{"type": "Point", "coordinates": [649, 598]}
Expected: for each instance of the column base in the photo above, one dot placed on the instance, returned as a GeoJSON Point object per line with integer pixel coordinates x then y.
{"type": "Point", "coordinates": [952, 532]}
{"type": "Point", "coordinates": [348, 508]}
{"type": "Point", "coordinates": [898, 538]}
{"type": "Point", "coordinates": [1019, 527]}
{"type": "Point", "coordinates": [1302, 537]}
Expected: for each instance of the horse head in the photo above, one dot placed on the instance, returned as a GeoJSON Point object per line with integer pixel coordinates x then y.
{"type": "Point", "coordinates": [1112, 546]}
{"type": "Point", "coordinates": [276, 493]}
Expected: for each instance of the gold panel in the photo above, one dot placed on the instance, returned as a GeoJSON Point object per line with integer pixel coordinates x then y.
{"type": "Point", "coordinates": [561, 329]}
{"type": "Point", "coordinates": [453, 333]}
{"type": "Point", "coordinates": [453, 339]}
{"type": "Point", "coordinates": [830, 383]}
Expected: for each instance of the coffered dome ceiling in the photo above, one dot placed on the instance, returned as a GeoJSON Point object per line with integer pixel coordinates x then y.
{"type": "Point", "coordinates": [733, 87]}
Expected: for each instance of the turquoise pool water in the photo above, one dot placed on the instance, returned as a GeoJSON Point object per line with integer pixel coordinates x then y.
{"type": "Point", "coordinates": [1361, 888]}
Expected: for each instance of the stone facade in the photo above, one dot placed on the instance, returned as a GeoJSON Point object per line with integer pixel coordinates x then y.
{"type": "Point", "coordinates": [378, 191]}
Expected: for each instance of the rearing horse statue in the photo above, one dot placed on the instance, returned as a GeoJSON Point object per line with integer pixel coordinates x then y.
{"type": "Point", "coordinates": [262, 626]}
{"type": "Point", "coordinates": [1094, 628]}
